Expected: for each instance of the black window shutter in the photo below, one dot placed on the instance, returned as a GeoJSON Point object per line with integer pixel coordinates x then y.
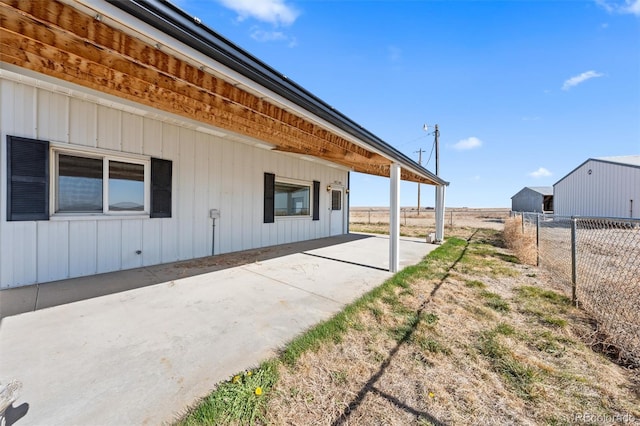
{"type": "Point", "coordinates": [161, 179]}
{"type": "Point", "coordinates": [27, 179]}
{"type": "Point", "coordinates": [269, 197]}
{"type": "Point", "coordinates": [316, 200]}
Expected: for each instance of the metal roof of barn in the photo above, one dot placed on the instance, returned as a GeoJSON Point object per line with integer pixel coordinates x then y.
{"type": "Point", "coordinates": [626, 160]}
{"type": "Point", "coordinates": [542, 190]}
{"type": "Point", "coordinates": [623, 160]}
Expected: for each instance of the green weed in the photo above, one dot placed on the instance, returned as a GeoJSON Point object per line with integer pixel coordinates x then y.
{"type": "Point", "coordinates": [240, 399]}
{"type": "Point", "coordinates": [495, 302]}
{"type": "Point", "coordinates": [521, 377]}
{"type": "Point", "coordinates": [475, 284]}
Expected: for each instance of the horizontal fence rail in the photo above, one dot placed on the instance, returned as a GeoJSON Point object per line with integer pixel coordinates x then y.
{"type": "Point", "coordinates": [598, 259]}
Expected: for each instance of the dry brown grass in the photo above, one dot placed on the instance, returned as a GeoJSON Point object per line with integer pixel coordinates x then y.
{"type": "Point", "coordinates": [383, 228]}
{"type": "Point", "coordinates": [522, 244]}
{"type": "Point", "coordinates": [442, 351]}
{"type": "Point", "coordinates": [454, 217]}
{"type": "Point", "coordinates": [410, 230]}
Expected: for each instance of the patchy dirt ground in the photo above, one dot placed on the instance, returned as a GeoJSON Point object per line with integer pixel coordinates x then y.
{"type": "Point", "coordinates": [475, 339]}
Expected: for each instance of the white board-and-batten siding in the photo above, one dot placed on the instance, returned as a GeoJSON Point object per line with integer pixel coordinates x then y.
{"type": "Point", "coordinates": [209, 172]}
{"type": "Point", "coordinates": [607, 191]}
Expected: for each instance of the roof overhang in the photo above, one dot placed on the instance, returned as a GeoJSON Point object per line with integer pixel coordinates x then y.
{"type": "Point", "coordinates": [154, 54]}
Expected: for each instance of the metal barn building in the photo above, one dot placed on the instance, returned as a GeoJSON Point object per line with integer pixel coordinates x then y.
{"type": "Point", "coordinates": [606, 186]}
{"type": "Point", "coordinates": [128, 126]}
{"type": "Point", "coordinates": [533, 199]}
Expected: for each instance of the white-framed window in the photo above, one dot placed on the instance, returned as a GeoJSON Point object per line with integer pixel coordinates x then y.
{"type": "Point", "coordinates": [96, 182]}
{"type": "Point", "coordinates": [336, 199]}
{"type": "Point", "coordinates": [292, 198]}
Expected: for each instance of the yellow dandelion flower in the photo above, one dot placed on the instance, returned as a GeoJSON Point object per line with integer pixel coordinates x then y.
{"type": "Point", "coordinates": [431, 394]}
{"type": "Point", "coordinates": [258, 391]}
{"type": "Point", "coordinates": [235, 379]}
{"type": "Point", "coordinates": [249, 373]}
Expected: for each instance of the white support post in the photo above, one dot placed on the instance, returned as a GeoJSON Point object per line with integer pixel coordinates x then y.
{"type": "Point", "coordinates": [440, 192]}
{"type": "Point", "coordinates": [394, 219]}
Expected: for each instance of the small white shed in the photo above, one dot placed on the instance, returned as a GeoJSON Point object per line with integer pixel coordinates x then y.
{"type": "Point", "coordinates": [606, 186]}
{"type": "Point", "coordinates": [536, 199]}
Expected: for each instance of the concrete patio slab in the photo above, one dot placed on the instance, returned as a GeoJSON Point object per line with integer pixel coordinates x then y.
{"type": "Point", "coordinates": [144, 355]}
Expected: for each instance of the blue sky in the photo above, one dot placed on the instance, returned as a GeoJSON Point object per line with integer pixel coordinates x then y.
{"type": "Point", "coordinates": [522, 91]}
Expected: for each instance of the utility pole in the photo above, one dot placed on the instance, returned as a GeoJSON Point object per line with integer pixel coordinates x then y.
{"type": "Point", "coordinates": [419, 152]}
{"type": "Point", "coordinates": [437, 132]}
{"type": "Point", "coordinates": [440, 189]}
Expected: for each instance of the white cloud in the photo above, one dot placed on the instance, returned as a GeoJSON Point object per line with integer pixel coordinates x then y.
{"type": "Point", "coordinates": [268, 36]}
{"type": "Point", "coordinates": [540, 173]}
{"type": "Point", "coordinates": [276, 12]}
{"type": "Point", "coordinates": [395, 53]}
{"type": "Point", "coordinates": [605, 5]}
{"type": "Point", "coordinates": [469, 143]}
{"type": "Point", "coordinates": [261, 35]}
{"type": "Point", "coordinates": [632, 7]}
{"type": "Point", "coordinates": [626, 7]}
{"type": "Point", "coordinates": [579, 79]}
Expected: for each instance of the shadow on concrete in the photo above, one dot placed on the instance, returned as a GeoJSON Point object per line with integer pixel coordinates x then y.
{"type": "Point", "coordinates": [347, 261]}
{"type": "Point", "coordinates": [34, 297]}
{"type": "Point", "coordinates": [13, 414]}
{"type": "Point", "coordinates": [343, 418]}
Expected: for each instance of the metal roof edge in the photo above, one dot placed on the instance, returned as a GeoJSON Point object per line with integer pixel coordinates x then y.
{"type": "Point", "coordinates": [609, 160]}
{"type": "Point", "coordinates": [567, 175]}
{"type": "Point", "coordinates": [532, 189]}
{"type": "Point", "coordinates": [599, 160]}
{"type": "Point", "coordinates": [187, 29]}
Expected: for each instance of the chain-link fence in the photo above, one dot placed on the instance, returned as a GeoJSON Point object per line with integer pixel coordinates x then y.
{"type": "Point", "coordinates": [598, 259]}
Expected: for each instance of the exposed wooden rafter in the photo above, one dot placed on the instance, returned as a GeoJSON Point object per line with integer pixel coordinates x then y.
{"type": "Point", "coordinates": [57, 40]}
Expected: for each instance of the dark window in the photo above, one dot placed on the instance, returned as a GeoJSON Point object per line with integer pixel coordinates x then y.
{"type": "Point", "coordinates": [27, 179]}
{"type": "Point", "coordinates": [79, 184]}
{"type": "Point", "coordinates": [291, 199]}
{"type": "Point", "coordinates": [336, 200]}
{"type": "Point", "coordinates": [126, 186]}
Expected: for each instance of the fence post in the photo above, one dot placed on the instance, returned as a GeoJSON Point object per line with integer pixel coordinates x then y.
{"type": "Point", "coordinates": [522, 213]}
{"type": "Point", "coordinates": [538, 239]}
{"type": "Point", "coordinates": [574, 266]}
{"type": "Point", "coordinates": [369, 216]}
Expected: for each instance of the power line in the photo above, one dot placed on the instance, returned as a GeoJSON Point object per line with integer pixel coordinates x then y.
{"type": "Point", "coordinates": [433, 146]}
{"type": "Point", "coordinates": [412, 140]}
